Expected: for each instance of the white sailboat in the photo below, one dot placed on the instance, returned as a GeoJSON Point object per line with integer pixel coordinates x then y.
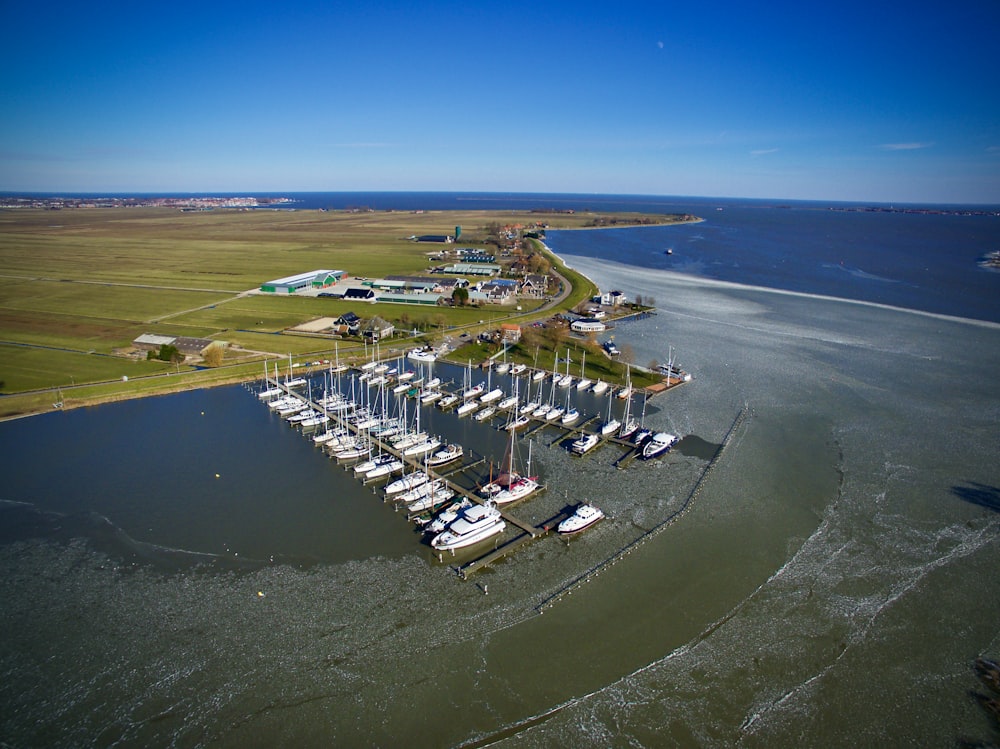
{"type": "Point", "coordinates": [611, 425]}
{"type": "Point", "coordinates": [584, 382]}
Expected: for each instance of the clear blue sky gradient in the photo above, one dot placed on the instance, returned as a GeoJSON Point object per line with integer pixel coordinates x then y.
{"type": "Point", "coordinates": [874, 101]}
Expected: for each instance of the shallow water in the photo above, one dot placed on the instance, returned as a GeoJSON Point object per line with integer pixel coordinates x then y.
{"type": "Point", "coordinates": [825, 587]}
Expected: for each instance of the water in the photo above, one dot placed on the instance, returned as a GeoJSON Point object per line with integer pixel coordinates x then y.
{"type": "Point", "coordinates": [828, 586]}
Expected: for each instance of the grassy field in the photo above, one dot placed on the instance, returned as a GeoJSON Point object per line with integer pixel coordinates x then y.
{"type": "Point", "coordinates": [75, 285]}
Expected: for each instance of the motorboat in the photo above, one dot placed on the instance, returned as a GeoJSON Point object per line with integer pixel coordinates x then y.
{"type": "Point", "coordinates": [584, 443]}
{"type": "Point", "coordinates": [422, 354]}
{"type": "Point", "coordinates": [584, 517]}
{"type": "Point", "coordinates": [473, 524]}
{"type": "Point", "coordinates": [445, 455]}
{"type": "Point", "coordinates": [658, 444]}
{"type": "Point", "coordinates": [446, 516]}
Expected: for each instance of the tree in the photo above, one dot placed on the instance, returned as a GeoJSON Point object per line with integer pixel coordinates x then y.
{"type": "Point", "coordinates": [638, 300]}
{"type": "Point", "coordinates": [214, 355]}
{"type": "Point", "coordinates": [460, 296]}
{"type": "Point", "coordinates": [168, 352]}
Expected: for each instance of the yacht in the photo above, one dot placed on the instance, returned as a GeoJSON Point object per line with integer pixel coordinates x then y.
{"type": "Point", "coordinates": [584, 517]}
{"type": "Point", "coordinates": [658, 444]}
{"type": "Point", "coordinates": [422, 354]}
{"type": "Point", "coordinates": [584, 443]}
{"type": "Point", "coordinates": [474, 524]}
{"type": "Point", "coordinates": [445, 455]}
{"type": "Point", "coordinates": [447, 515]}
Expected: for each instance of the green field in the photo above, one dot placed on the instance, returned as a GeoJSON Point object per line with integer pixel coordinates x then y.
{"type": "Point", "coordinates": [77, 286]}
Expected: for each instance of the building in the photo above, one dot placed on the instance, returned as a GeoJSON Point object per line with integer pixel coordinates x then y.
{"type": "Point", "coordinates": [350, 322]}
{"type": "Point", "coordinates": [315, 279]}
{"type": "Point", "coordinates": [472, 269]}
{"type": "Point", "coordinates": [416, 297]}
{"type": "Point", "coordinates": [584, 325]}
{"type": "Point", "coordinates": [534, 284]}
{"type": "Point", "coordinates": [510, 332]}
{"type": "Point", "coordinates": [361, 295]}
{"type": "Point", "coordinates": [375, 329]}
{"type": "Point", "coordinates": [153, 342]}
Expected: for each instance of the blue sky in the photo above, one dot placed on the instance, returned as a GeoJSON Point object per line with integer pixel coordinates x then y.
{"type": "Point", "coordinates": [841, 101]}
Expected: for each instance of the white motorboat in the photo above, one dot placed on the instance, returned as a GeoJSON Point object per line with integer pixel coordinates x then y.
{"type": "Point", "coordinates": [446, 515]}
{"type": "Point", "coordinates": [584, 443]}
{"type": "Point", "coordinates": [474, 524]}
{"type": "Point", "coordinates": [658, 444]}
{"type": "Point", "coordinates": [445, 455]}
{"type": "Point", "coordinates": [584, 517]}
{"type": "Point", "coordinates": [422, 354]}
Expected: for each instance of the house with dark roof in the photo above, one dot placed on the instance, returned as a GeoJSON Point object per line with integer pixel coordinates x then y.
{"type": "Point", "coordinates": [362, 295]}
{"type": "Point", "coordinates": [350, 321]}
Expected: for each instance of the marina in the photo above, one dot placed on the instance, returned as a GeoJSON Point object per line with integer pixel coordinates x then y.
{"type": "Point", "coordinates": [424, 474]}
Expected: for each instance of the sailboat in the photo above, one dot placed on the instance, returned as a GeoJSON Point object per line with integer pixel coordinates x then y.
{"type": "Point", "coordinates": [571, 414]}
{"type": "Point", "coordinates": [584, 382]}
{"type": "Point", "coordinates": [566, 380]}
{"type": "Point", "coordinates": [611, 425]}
{"type": "Point", "coordinates": [516, 486]}
{"type": "Point", "coordinates": [629, 424]}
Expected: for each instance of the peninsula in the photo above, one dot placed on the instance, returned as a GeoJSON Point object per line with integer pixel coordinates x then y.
{"type": "Point", "coordinates": [82, 286]}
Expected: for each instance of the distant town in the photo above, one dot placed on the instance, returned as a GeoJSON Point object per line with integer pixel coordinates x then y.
{"type": "Point", "coordinates": [192, 203]}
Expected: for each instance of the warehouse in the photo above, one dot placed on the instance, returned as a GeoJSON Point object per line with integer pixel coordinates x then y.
{"type": "Point", "coordinates": [316, 279]}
